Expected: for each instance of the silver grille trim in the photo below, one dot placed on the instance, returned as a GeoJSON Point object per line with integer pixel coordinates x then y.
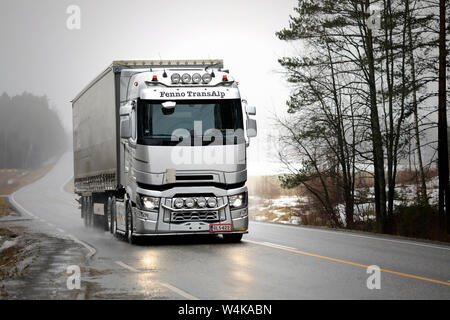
{"type": "Point", "coordinates": [211, 216]}
{"type": "Point", "coordinates": [194, 209]}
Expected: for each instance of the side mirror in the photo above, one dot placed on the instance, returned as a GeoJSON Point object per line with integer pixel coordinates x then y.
{"type": "Point", "coordinates": [125, 127]}
{"type": "Point", "coordinates": [252, 129]}
{"type": "Point", "coordinates": [251, 111]}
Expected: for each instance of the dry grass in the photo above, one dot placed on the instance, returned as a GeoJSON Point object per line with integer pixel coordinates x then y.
{"type": "Point", "coordinates": [11, 181]}
{"type": "Point", "coordinates": [269, 187]}
{"type": "Point", "coordinates": [5, 209]}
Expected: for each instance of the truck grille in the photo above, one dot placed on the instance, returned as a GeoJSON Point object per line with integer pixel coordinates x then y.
{"type": "Point", "coordinates": [207, 216]}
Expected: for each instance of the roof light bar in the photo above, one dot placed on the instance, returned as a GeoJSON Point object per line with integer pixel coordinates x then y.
{"type": "Point", "coordinates": [186, 78]}
{"type": "Point", "coordinates": [175, 78]}
{"type": "Point", "coordinates": [196, 78]}
{"type": "Point", "coordinates": [206, 78]}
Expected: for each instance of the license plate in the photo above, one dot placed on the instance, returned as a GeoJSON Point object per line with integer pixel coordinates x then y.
{"type": "Point", "coordinates": [220, 227]}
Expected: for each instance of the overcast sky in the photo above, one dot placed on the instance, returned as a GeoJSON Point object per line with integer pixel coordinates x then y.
{"type": "Point", "coordinates": [39, 54]}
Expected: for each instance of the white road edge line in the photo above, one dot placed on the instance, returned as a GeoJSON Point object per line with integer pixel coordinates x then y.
{"type": "Point", "coordinates": [92, 250]}
{"type": "Point", "coordinates": [64, 184]}
{"type": "Point", "coordinates": [14, 202]}
{"type": "Point", "coordinates": [279, 245]}
{"type": "Point", "coordinates": [120, 263]}
{"type": "Point", "coordinates": [182, 293]}
{"type": "Point", "coordinates": [179, 291]}
{"type": "Point", "coordinates": [355, 235]}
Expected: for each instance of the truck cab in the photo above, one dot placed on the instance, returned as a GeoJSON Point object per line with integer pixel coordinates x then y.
{"type": "Point", "coordinates": [183, 131]}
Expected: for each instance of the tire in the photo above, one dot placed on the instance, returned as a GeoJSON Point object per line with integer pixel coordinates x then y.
{"type": "Point", "coordinates": [114, 217]}
{"type": "Point", "coordinates": [233, 237]}
{"type": "Point", "coordinates": [129, 225]}
{"type": "Point", "coordinates": [90, 212]}
{"type": "Point", "coordinates": [108, 216]}
{"type": "Point", "coordinates": [82, 207]}
{"type": "Point", "coordinates": [85, 212]}
{"type": "Point", "coordinates": [99, 221]}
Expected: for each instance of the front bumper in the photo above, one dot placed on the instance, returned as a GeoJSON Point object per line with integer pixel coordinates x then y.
{"type": "Point", "coordinates": [152, 223]}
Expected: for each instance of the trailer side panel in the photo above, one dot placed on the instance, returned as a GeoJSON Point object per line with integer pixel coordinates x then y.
{"type": "Point", "coordinates": [94, 136]}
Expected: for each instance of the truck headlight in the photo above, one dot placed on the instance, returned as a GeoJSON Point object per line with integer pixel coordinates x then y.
{"type": "Point", "coordinates": [148, 203]}
{"type": "Point", "coordinates": [238, 201]}
{"type": "Point", "coordinates": [212, 202]}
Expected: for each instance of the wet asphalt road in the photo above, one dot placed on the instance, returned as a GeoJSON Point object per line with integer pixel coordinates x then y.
{"type": "Point", "coordinates": [272, 262]}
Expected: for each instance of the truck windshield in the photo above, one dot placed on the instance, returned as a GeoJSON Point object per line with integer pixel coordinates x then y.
{"type": "Point", "coordinates": [199, 121]}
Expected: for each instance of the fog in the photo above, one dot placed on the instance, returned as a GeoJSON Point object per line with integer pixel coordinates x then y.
{"type": "Point", "coordinates": [31, 133]}
{"type": "Point", "coordinates": [41, 55]}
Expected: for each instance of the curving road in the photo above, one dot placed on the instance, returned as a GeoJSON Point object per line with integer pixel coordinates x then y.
{"type": "Point", "coordinates": [272, 262]}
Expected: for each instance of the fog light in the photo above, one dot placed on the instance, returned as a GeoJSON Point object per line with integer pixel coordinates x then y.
{"type": "Point", "coordinates": [201, 202]}
{"type": "Point", "coordinates": [196, 78]}
{"type": "Point", "coordinates": [206, 78]}
{"type": "Point", "coordinates": [212, 202]}
{"type": "Point", "coordinates": [178, 203]}
{"type": "Point", "coordinates": [186, 78]}
{"type": "Point", "coordinates": [175, 78]}
{"type": "Point", "coordinates": [189, 203]}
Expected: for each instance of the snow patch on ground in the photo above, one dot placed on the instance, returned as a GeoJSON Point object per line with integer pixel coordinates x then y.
{"type": "Point", "coordinates": [8, 244]}
{"type": "Point", "coordinates": [290, 209]}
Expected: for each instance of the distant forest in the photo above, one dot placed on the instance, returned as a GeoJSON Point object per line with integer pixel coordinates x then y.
{"type": "Point", "coordinates": [31, 132]}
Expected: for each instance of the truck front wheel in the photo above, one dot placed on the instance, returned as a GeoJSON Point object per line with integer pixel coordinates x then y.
{"type": "Point", "coordinates": [114, 217]}
{"type": "Point", "coordinates": [129, 225]}
{"type": "Point", "coordinates": [107, 220]}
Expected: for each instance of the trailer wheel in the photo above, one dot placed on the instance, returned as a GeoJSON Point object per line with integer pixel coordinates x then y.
{"type": "Point", "coordinates": [90, 211]}
{"type": "Point", "coordinates": [82, 207]}
{"type": "Point", "coordinates": [129, 225]}
{"type": "Point", "coordinates": [86, 211]}
{"type": "Point", "coordinates": [232, 238]}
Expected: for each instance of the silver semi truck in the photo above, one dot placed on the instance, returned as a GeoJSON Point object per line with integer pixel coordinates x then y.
{"type": "Point", "coordinates": [160, 149]}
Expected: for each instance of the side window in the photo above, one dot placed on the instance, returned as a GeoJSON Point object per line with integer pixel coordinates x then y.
{"type": "Point", "coordinates": [133, 124]}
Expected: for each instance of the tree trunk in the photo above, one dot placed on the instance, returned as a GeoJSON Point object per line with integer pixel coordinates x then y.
{"type": "Point", "coordinates": [444, 190]}
{"type": "Point", "coordinates": [423, 186]}
{"type": "Point", "coordinates": [377, 141]}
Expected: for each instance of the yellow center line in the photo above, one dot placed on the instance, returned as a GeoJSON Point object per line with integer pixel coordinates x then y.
{"type": "Point", "coordinates": [344, 261]}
